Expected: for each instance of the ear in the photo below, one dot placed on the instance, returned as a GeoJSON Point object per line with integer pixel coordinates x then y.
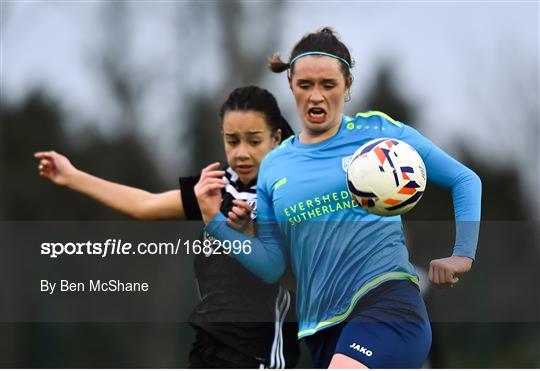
{"type": "Point", "coordinates": [289, 78]}
{"type": "Point", "coordinates": [348, 82]}
{"type": "Point", "coordinates": [276, 138]}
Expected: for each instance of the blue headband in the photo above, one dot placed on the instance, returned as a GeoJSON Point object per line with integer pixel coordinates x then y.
{"type": "Point", "coordinates": [319, 53]}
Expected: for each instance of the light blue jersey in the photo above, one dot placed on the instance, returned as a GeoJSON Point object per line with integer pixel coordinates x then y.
{"type": "Point", "coordinates": [338, 251]}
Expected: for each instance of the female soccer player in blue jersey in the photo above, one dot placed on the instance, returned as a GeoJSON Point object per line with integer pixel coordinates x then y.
{"type": "Point", "coordinates": [358, 301]}
{"type": "Point", "coordinates": [234, 329]}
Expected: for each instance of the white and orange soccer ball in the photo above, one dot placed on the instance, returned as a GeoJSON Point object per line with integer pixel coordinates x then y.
{"type": "Point", "coordinates": [386, 177]}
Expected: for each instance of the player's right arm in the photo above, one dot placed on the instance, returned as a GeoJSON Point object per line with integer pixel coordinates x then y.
{"type": "Point", "coordinates": [130, 201]}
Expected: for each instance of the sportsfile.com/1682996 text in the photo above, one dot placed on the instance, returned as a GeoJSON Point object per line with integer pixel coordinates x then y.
{"type": "Point", "coordinates": [114, 246]}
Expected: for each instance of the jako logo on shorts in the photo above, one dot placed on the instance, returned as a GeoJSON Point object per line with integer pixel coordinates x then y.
{"type": "Point", "coordinates": [361, 349]}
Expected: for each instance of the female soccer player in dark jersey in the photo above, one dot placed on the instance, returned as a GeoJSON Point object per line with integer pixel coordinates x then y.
{"type": "Point", "coordinates": [358, 302]}
{"type": "Point", "coordinates": [241, 321]}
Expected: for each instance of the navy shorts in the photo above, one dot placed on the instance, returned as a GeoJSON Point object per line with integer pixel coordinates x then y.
{"type": "Point", "coordinates": [388, 328]}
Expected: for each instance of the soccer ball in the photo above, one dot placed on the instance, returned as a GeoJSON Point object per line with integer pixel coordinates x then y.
{"type": "Point", "coordinates": [386, 177]}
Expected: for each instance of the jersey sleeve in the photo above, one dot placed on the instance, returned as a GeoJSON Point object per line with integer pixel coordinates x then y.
{"type": "Point", "coordinates": [464, 184]}
{"type": "Point", "coordinates": [189, 201]}
{"type": "Point", "coordinates": [267, 258]}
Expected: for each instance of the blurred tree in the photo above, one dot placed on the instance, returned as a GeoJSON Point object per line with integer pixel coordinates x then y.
{"type": "Point", "coordinates": [5, 9]}
{"type": "Point", "coordinates": [247, 33]}
{"type": "Point", "coordinates": [37, 124]}
{"type": "Point", "coordinates": [123, 83]}
{"type": "Point", "coordinates": [504, 98]}
{"type": "Point", "coordinates": [37, 119]}
{"type": "Point", "coordinates": [34, 125]}
{"type": "Point", "coordinates": [384, 96]}
{"type": "Point", "coordinates": [127, 84]}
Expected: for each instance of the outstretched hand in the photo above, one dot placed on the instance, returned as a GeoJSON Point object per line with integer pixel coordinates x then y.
{"type": "Point", "coordinates": [208, 191]}
{"type": "Point", "coordinates": [55, 167]}
{"type": "Point", "coordinates": [443, 272]}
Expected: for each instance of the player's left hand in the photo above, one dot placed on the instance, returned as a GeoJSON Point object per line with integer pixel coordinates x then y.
{"type": "Point", "coordinates": [240, 217]}
{"type": "Point", "coordinates": [443, 272]}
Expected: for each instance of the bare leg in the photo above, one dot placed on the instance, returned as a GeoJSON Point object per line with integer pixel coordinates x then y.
{"type": "Point", "coordinates": [342, 361]}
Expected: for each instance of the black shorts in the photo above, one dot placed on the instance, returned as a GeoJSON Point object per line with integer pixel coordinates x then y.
{"type": "Point", "coordinates": [209, 352]}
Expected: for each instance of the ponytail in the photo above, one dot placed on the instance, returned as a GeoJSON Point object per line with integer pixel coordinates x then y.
{"type": "Point", "coordinates": [323, 42]}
